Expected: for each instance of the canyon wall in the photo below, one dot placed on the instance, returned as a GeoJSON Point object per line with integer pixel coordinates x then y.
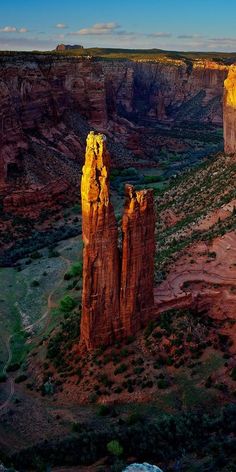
{"type": "Point", "coordinates": [117, 298]}
{"type": "Point", "coordinates": [230, 112]}
{"type": "Point", "coordinates": [41, 95]}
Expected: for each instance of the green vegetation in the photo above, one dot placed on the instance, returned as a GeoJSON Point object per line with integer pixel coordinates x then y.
{"type": "Point", "coordinates": [191, 197]}
{"type": "Point", "coordinates": [207, 439]}
{"type": "Point", "coordinates": [67, 304]}
{"type": "Point", "coordinates": [76, 270]}
{"type": "Point", "coordinates": [115, 448]}
{"type": "Point", "coordinates": [127, 54]}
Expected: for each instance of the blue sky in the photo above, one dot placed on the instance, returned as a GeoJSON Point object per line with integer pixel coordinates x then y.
{"type": "Point", "coordinates": [206, 25]}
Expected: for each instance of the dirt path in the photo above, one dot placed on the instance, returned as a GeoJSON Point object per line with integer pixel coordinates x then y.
{"type": "Point", "coordinates": [27, 329]}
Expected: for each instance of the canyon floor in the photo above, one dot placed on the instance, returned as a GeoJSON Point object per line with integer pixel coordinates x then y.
{"type": "Point", "coordinates": [184, 360]}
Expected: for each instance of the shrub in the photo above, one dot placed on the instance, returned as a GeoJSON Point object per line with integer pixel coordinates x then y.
{"type": "Point", "coordinates": [34, 283]}
{"type": "Point", "coordinates": [53, 253]}
{"type": "Point", "coordinates": [36, 255]}
{"type": "Point", "coordinates": [149, 329]}
{"type": "Point", "coordinates": [3, 378]}
{"type": "Point", "coordinates": [75, 428]}
{"type": "Point", "coordinates": [103, 410]}
{"type": "Point", "coordinates": [115, 448]}
{"type": "Point", "coordinates": [122, 368]}
{"type": "Point", "coordinates": [162, 384]}
{"type": "Point", "coordinates": [67, 303]}
{"type": "Point", "coordinates": [76, 270]}
{"type": "Point", "coordinates": [21, 378]}
{"type": "Point", "coordinates": [233, 374]}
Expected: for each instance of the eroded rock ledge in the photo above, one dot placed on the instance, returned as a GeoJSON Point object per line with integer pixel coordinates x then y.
{"type": "Point", "coordinates": [117, 288]}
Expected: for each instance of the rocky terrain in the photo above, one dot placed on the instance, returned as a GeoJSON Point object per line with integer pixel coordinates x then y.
{"type": "Point", "coordinates": [160, 354]}
{"type": "Point", "coordinates": [49, 102]}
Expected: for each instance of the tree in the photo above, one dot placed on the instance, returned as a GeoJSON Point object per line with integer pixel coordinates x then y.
{"type": "Point", "coordinates": [115, 448]}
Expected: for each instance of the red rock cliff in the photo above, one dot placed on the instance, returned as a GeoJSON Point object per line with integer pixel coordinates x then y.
{"type": "Point", "coordinates": [138, 248]}
{"type": "Point", "coordinates": [100, 322]}
{"type": "Point", "coordinates": [116, 300]}
{"type": "Point", "coordinates": [230, 112]}
{"type": "Point", "coordinates": [38, 93]}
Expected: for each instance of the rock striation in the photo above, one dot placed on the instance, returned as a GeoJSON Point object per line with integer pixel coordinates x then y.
{"type": "Point", "coordinates": [230, 112]}
{"type": "Point", "coordinates": [137, 270]}
{"type": "Point", "coordinates": [100, 319]}
{"type": "Point", "coordinates": [117, 297]}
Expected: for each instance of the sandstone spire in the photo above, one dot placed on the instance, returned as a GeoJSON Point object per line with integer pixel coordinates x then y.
{"type": "Point", "coordinates": [117, 300]}
{"type": "Point", "coordinates": [230, 111]}
{"type": "Point", "coordinates": [100, 302]}
{"type": "Point", "coordinates": [137, 272]}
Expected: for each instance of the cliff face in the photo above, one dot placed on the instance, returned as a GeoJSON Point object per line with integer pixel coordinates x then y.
{"type": "Point", "coordinates": [37, 92]}
{"type": "Point", "coordinates": [116, 301]}
{"type": "Point", "coordinates": [100, 318]}
{"type": "Point", "coordinates": [48, 103]}
{"type": "Point", "coordinates": [179, 91]}
{"type": "Point", "coordinates": [138, 248]}
{"type": "Point", "coordinates": [230, 112]}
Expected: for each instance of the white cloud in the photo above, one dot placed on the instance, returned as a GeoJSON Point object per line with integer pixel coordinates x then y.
{"type": "Point", "coordinates": [223, 40]}
{"type": "Point", "coordinates": [190, 36]}
{"type": "Point", "coordinates": [23, 30]}
{"type": "Point", "coordinates": [13, 29]}
{"type": "Point", "coordinates": [98, 29]}
{"type": "Point", "coordinates": [8, 29]}
{"type": "Point", "coordinates": [160, 35]}
{"type": "Point", "coordinates": [61, 25]}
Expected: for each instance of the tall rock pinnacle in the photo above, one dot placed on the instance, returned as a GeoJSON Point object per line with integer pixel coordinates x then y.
{"type": "Point", "coordinates": [137, 271]}
{"type": "Point", "coordinates": [100, 302]}
{"type": "Point", "coordinates": [117, 298]}
{"type": "Point", "coordinates": [230, 112]}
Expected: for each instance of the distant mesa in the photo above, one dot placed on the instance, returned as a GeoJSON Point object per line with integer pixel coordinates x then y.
{"type": "Point", "coordinates": [67, 47]}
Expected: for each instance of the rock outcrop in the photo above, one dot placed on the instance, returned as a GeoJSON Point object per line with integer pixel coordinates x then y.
{"type": "Point", "coordinates": [30, 203]}
{"type": "Point", "coordinates": [145, 467]}
{"type": "Point", "coordinates": [137, 270]}
{"type": "Point", "coordinates": [100, 322]}
{"type": "Point", "coordinates": [230, 112]}
{"type": "Point", "coordinates": [116, 300]}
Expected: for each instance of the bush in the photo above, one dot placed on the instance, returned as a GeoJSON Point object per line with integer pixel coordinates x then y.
{"type": "Point", "coordinates": [21, 378]}
{"type": "Point", "coordinates": [34, 283]}
{"type": "Point", "coordinates": [122, 368]}
{"type": "Point", "coordinates": [53, 253]}
{"type": "Point", "coordinates": [162, 384]}
{"type": "Point", "coordinates": [76, 270]}
{"type": "Point", "coordinates": [36, 255]}
{"type": "Point", "coordinates": [103, 410]}
{"type": "Point", "coordinates": [75, 428]}
{"type": "Point", "coordinates": [233, 374]}
{"type": "Point", "coordinates": [67, 303]}
{"type": "Point", "coordinates": [3, 378]}
{"type": "Point", "coordinates": [115, 448]}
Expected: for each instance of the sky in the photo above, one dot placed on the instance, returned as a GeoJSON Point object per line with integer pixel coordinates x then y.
{"type": "Point", "coordinates": [187, 25]}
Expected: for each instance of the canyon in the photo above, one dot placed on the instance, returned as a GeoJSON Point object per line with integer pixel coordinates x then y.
{"type": "Point", "coordinates": [97, 353]}
{"type": "Point", "coordinates": [49, 103]}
